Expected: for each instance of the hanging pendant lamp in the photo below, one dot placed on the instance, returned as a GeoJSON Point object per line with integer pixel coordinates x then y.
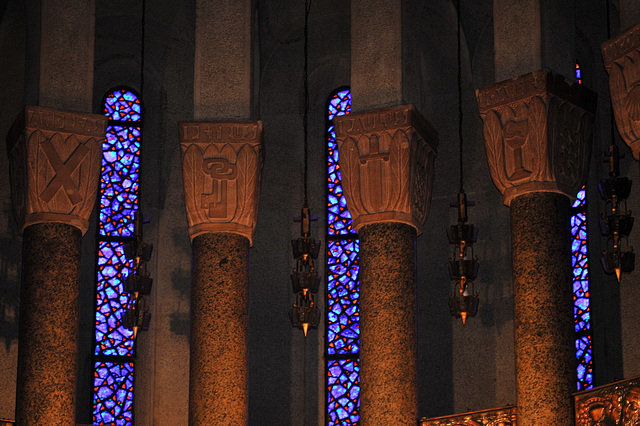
{"type": "Point", "coordinates": [305, 280]}
{"type": "Point", "coordinates": [463, 265]}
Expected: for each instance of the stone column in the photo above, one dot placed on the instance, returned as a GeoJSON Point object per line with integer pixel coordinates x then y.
{"type": "Point", "coordinates": [537, 133]}
{"type": "Point", "coordinates": [387, 161]}
{"type": "Point", "coordinates": [622, 61]}
{"type": "Point", "coordinates": [55, 170]}
{"type": "Point", "coordinates": [221, 165]}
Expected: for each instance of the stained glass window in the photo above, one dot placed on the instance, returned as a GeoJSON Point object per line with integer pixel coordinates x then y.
{"type": "Point", "coordinates": [581, 308]}
{"type": "Point", "coordinates": [343, 342]}
{"type": "Point", "coordinates": [581, 298]}
{"type": "Point", "coordinates": [114, 344]}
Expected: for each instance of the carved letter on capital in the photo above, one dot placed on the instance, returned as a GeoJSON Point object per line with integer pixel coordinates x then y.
{"type": "Point", "coordinates": [55, 166]}
{"type": "Point", "coordinates": [221, 170]}
{"type": "Point", "coordinates": [537, 134]}
{"type": "Point", "coordinates": [387, 161]}
{"type": "Point", "coordinates": [622, 61]}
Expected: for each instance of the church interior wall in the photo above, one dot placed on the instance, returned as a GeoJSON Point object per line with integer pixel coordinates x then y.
{"type": "Point", "coordinates": [459, 368]}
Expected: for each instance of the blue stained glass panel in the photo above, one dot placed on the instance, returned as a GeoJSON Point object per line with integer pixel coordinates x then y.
{"type": "Point", "coordinates": [339, 220]}
{"type": "Point", "coordinates": [343, 294]}
{"type": "Point", "coordinates": [119, 181]}
{"type": "Point", "coordinates": [113, 393]}
{"type": "Point", "coordinates": [122, 105]}
{"type": "Point", "coordinates": [343, 392]}
{"type": "Point", "coordinates": [581, 298]}
{"type": "Point", "coordinates": [111, 301]}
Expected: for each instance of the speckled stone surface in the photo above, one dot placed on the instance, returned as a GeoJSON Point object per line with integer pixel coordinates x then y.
{"type": "Point", "coordinates": [219, 316]}
{"type": "Point", "coordinates": [388, 324]}
{"type": "Point", "coordinates": [545, 363]}
{"type": "Point", "coordinates": [46, 390]}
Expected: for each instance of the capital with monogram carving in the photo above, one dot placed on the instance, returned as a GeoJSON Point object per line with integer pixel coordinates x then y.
{"type": "Point", "coordinates": [387, 161]}
{"type": "Point", "coordinates": [537, 133]}
{"type": "Point", "coordinates": [55, 166]}
{"type": "Point", "coordinates": [622, 61]}
{"type": "Point", "coordinates": [221, 171]}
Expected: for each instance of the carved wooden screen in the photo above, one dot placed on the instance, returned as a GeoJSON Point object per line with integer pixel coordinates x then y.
{"type": "Point", "coordinates": [581, 298]}
{"type": "Point", "coordinates": [114, 349]}
{"type": "Point", "coordinates": [343, 342]}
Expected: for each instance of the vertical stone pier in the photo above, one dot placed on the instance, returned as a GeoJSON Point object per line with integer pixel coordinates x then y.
{"type": "Point", "coordinates": [387, 160]}
{"type": "Point", "coordinates": [387, 154]}
{"type": "Point", "coordinates": [537, 133]}
{"type": "Point", "coordinates": [222, 164]}
{"type": "Point", "coordinates": [55, 166]}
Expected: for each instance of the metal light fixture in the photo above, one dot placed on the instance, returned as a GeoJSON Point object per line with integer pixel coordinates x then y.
{"type": "Point", "coordinates": [616, 222]}
{"type": "Point", "coordinates": [463, 266]}
{"type": "Point", "coordinates": [138, 283]}
{"type": "Point", "coordinates": [305, 280]}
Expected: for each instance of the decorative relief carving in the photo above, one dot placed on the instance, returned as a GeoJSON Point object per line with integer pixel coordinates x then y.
{"type": "Point", "coordinates": [496, 417]}
{"type": "Point", "coordinates": [221, 170]}
{"type": "Point", "coordinates": [55, 165]}
{"type": "Point", "coordinates": [622, 61]}
{"type": "Point", "coordinates": [614, 404]}
{"type": "Point", "coordinates": [537, 141]}
{"type": "Point", "coordinates": [387, 162]}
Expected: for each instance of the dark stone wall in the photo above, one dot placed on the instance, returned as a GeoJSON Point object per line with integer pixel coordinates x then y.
{"type": "Point", "coordinates": [12, 78]}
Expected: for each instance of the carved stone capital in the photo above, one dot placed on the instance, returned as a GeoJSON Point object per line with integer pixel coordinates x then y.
{"type": "Point", "coordinates": [387, 161]}
{"type": "Point", "coordinates": [55, 165]}
{"type": "Point", "coordinates": [537, 132]}
{"type": "Point", "coordinates": [622, 60]}
{"type": "Point", "coordinates": [221, 171]}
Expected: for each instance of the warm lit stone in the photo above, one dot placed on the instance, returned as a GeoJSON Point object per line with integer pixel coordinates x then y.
{"type": "Point", "coordinates": [55, 166]}
{"type": "Point", "coordinates": [537, 132]}
{"type": "Point", "coordinates": [221, 169]}
{"type": "Point", "coordinates": [500, 416]}
{"type": "Point", "coordinates": [387, 161]}
{"type": "Point", "coordinates": [218, 389]}
{"type": "Point", "coordinates": [622, 61]}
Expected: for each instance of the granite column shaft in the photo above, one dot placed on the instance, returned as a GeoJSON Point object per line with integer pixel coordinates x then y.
{"type": "Point", "coordinates": [388, 324]}
{"type": "Point", "coordinates": [538, 170]}
{"type": "Point", "coordinates": [543, 311]}
{"type": "Point", "coordinates": [387, 173]}
{"type": "Point", "coordinates": [219, 317]}
{"type": "Point", "coordinates": [46, 388]}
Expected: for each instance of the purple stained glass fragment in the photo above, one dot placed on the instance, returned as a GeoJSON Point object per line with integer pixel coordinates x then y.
{"type": "Point", "coordinates": [122, 105]}
{"type": "Point", "coordinates": [111, 301]}
{"type": "Point", "coordinates": [343, 392]}
{"type": "Point", "coordinates": [119, 180]}
{"type": "Point", "coordinates": [339, 219]}
{"type": "Point", "coordinates": [343, 293]}
{"type": "Point", "coordinates": [581, 298]}
{"type": "Point", "coordinates": [113, 393]}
